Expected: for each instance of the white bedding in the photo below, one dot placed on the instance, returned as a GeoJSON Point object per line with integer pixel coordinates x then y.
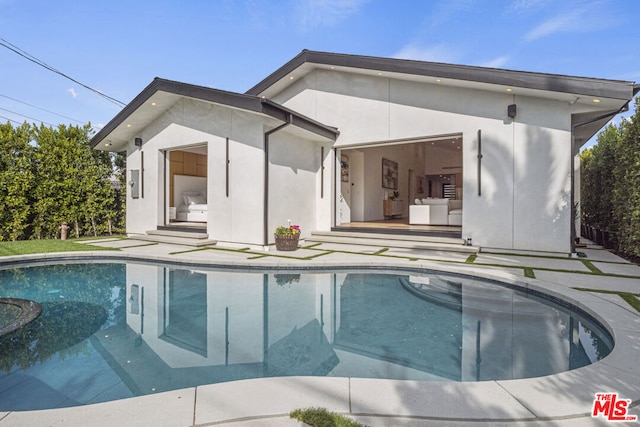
{"type": "Point", "coordinates": [193, 207]}
{"type": "Point", "coordinates": [192, 213]}
{"type": "Point", "coordinates": [190, 198]}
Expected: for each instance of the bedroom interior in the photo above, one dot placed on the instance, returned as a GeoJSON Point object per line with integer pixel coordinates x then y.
{"type": "Point", "coordinates": [188, 186]}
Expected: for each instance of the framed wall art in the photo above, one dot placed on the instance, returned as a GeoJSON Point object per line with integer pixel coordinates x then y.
{"type": "Point", "coordinates": [389, 174]}
{"type": "Point", "coordinates": [344, 168]}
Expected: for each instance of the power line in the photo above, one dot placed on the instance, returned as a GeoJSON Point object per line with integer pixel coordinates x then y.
{"type": "Point", "coordinates": [37, 61]}
{"type": "Point", "coordinates": [43, 109]}
{"type": "Point", "coordinates": [10, 120]}
{"type": "Point", "coordinates": [26, 117]}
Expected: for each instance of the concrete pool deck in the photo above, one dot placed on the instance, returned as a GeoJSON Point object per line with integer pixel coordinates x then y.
{"type": "Point", "coordinates": [564, 399]}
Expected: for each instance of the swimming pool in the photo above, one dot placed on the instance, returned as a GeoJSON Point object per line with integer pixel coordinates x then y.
{"type": "Point", "coordinates": [112, 330]}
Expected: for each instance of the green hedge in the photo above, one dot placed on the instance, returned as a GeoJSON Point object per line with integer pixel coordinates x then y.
{"type": "Point", "coordinates": [610, 184]}
{"type": "Point", "coordinates": [50, 175]}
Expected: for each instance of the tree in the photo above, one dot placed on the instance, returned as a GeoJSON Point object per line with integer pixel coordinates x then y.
{"type": "Point", "coordinates": [55, 198]}
{"type": "Point", "coordinates": [73, 182]}
{"type": "Point", "coordinates": [626, 196]}
{"type": "Point", "coordinates": [604, 162]}
{"type": "Point", "coordinates": [16, 181]}
{"type": "Point", "coordinates": [50, 175]}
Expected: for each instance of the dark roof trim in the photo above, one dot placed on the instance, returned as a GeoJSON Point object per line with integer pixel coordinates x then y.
{"type": "Point", "coordinates": [303, 122]}
{"type": "Point", "coordinates": [232, 99]}
{"type": "Point", "coordinates": [616, 89]}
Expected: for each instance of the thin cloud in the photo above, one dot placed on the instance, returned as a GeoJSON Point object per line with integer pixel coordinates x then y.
{"type": "Point", "coordinates": [496, 62]}
{"type": "Point", "coordinates": [564, 22]}
{"type": "Point", "coordinates": [316, 13]}
{"type": "Point", "coordinates": [528, 6]}
{"type": "Point", "coordinates": [580, 17]}
{"type": "Point", "coordinates": [437, 53]}
{"type": "Point", "coordinates": [73, 93]}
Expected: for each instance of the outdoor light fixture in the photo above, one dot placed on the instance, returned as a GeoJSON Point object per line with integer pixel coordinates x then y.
{"type": "Point", "coordinates": [138, 142]}
{"type": "Point", "coordinates": [511, 110]}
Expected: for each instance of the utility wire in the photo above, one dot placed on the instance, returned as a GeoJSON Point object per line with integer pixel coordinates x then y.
{"type": "Point", "coordinates": [37, 61]}
{"type": "Point", "coordinates": [43, 109]}
{"type": "Point", "coordinates": [27, 117]}
{"type": "Point", "coordinates": [11, 120]}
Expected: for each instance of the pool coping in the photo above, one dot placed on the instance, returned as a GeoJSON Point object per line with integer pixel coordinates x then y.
{"type": "Point", "coordinates": [564, 396]}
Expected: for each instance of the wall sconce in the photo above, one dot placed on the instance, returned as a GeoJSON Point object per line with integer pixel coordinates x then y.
{"type": "Point", "coordinates": [511, 110]}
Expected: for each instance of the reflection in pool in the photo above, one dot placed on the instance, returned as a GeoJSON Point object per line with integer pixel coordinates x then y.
{"type": "Point", "coordinates": [163, 328]}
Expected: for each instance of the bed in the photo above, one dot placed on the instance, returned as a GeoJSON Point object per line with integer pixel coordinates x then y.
{"type": "Point", "coordinates": [190, 198]}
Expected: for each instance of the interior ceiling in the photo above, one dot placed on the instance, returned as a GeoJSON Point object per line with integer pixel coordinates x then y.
{"type": "Point", "coordinates": [198, 149]}
{"type": "Point", "coordinates": [452, 143]}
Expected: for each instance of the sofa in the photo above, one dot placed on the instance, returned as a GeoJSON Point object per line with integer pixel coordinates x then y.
{"type": "Point", "coordinates": [455, 212]}
{"type": "Point", "coordinates": [429, 212]}
{"type": "Point", "coordinates": [436, 212]}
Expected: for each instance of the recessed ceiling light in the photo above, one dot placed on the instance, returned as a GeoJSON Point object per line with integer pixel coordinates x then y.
{"type": "Point", "coordinates": [509, 89]}
{"type": "Point", "coordinates": [129, 126]}
{"type": "Point", "coordinates": [153, 103]}
{"type": "Point", "coordinates": [379, 74]}
{"type": "Point", "coordinates": [290, 77]}
{"type": "Point", "coordinates": [438, 80]}
{"type": "Point", "coordinates": [108, 144]}
{"type": "Point", "coordinates": [596, 100]}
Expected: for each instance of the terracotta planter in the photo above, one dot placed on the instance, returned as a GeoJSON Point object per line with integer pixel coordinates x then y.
{"type": "Point", "coordinates": [287, 242]}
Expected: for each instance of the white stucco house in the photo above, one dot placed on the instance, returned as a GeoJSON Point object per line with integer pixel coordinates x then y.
{"type": "Point", "coordinates": [327, 141]}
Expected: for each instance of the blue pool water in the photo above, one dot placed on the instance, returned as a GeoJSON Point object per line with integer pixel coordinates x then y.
{"type": "Point", "coordinates": [111, 331]}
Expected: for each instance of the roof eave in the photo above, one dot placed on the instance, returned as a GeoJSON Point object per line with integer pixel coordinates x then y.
{"type": "Point", "coordinates": [615, 89]}
{"type": "Point", "coordinates": [242, 101]}
{"type": "Point", "coordinates": [280, 112]}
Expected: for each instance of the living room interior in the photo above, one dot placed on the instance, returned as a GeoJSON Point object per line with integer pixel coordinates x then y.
{"type": "Point", "coordinates": [405, 186]}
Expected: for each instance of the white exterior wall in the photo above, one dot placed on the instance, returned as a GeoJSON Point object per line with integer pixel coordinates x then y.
{"type": "Point", "coordinates": [526, 161]}
{"type": "Point", "coordinates": [294, 173]}
{"type": "Point", "coordinates": [236, 218]}
{"type": "Point", "coordinates": [294, 181]}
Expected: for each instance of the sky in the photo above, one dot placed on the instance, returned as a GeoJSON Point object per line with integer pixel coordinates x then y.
{"type": "Point", "coordinates": [118, 47]}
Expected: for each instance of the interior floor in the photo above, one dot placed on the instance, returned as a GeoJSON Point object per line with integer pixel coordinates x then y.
{"type": "Point", "coordinates": [185, 226]}
{"type": "Point", "coordinates": [400, 226]}
{"type": "Point", "coordinates": [189, 224]}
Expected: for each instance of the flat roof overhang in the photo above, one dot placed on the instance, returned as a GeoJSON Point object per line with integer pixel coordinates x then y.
{"type": "Point", "coordinates": [161, 94]}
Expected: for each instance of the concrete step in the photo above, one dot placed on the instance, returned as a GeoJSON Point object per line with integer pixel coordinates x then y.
{"type": "Point", "coordinates": [432, 243]}
{"type": "Point", "coordinates": [178, 238]}
{"type": "Point", "coordinates": [185, 234]}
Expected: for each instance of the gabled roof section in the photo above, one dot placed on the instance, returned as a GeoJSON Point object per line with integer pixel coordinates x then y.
{"type": "Point", "coordinates": [141, 110]}
{"type": "Point", "coordinates": [590, 87]}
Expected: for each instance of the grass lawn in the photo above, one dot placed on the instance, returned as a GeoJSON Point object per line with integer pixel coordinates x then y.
{"type": "Point", "coordinates": [24, 247]}
{"type": "Point", "coordinates": [320, 417]}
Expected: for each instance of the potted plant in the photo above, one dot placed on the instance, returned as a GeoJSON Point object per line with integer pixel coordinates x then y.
{"type": "Point", "coordinates": [286, 279]}
{"type": "Point", "coordinates": [287, 237]}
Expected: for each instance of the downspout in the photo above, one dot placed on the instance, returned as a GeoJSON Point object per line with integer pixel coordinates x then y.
{"type": "Point", "coordinates": [266, 178]}
{"type": "Point", "coordinates": [622, 109]}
